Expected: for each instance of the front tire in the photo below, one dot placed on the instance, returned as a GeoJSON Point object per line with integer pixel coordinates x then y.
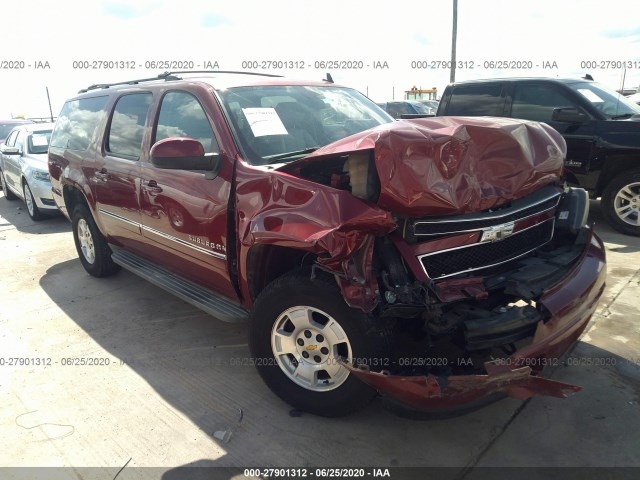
{"type": "Point", "coordinates": [32, 209]}
{"type": "Point", "coordinates": [92, 247]}
{"type": "Point", "coordinates": [299, 330]}
{"type": "Point", "coordinates": [621, 203]}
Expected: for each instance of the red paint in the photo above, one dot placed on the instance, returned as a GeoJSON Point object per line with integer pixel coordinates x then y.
{"type": "Point", "coordinates": [274, 208]}
{"type": "Point", "coordinates": [454, 165]}
{"type": "Point", "coordinates": [177, 147]}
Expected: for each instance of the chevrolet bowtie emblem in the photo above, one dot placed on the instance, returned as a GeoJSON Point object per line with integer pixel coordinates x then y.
{"type": "Point", "coordinates": [497, 232]}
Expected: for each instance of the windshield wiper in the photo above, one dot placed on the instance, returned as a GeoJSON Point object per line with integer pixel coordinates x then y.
{"type": "Point", "coordinates": [624, 115]}
{"type": "Point", "coordinates": [275, 158]}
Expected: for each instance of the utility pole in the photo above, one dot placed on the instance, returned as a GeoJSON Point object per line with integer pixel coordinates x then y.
{"type": "Point", "coordinates": [454, 34]}
{"type": "Point", "coordinates": [49, 100]}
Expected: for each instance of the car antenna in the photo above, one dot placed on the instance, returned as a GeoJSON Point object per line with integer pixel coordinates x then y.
{"type": "Point", "coordinates": [329, 78]}
{"type": "Point", "coordinates": [588, 77]}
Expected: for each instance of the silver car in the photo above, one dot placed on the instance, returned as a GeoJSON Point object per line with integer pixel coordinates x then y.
{"type": "Point", "coordinates": [23, 161]}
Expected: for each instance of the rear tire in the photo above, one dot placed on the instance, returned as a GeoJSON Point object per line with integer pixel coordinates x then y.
{"type": "Point", "coordinates": [93, 250]}
{"type": "Point", "coordinates": [299, 329]}
{"type": "Point", "coordinates": [621, 203]}
{"type": "Point", "coordinates": [8, 194]}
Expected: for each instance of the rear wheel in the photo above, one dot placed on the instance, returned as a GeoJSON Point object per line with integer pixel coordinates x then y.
{"type": "Point", "coordinates": [8, 194]}
{"type": "Point", "coordinates": [32, 209]}
{"type": "Point", "coordinates": [300, 331]}
{"type": "Point", "coordinates": [621, 203]}
{"type": "Point", "coordinates": [93, 250]}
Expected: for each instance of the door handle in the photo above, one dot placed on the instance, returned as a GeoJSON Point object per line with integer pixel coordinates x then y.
{"type": "Point", "coordinates": [102, 175]}
{"type": "Point", "coordinates": [152, 187]}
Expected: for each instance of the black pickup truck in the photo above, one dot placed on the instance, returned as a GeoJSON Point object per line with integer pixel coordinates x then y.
{"type": "Point", "coordinates": [601, 128]}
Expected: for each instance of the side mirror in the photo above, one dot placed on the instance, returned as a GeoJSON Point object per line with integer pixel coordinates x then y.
{"type": "Point", "coordinates": [11, 151]}
{"type": "Point", "coordinates": [179, 153]}
{"type": "Point", "coordinates": [568, 115]}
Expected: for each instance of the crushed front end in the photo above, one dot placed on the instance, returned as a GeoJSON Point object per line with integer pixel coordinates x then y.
{"type": "Point", "coordinates": [481, 304]}
{"type": "Point", "coordinates": [492, 272]}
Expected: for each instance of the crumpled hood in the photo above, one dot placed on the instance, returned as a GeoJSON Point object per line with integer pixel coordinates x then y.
{"type": "Point", "coordinates": [454, 165]}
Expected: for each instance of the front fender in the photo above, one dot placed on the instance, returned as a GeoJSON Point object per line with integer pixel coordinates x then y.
{"type": "Point", "coordinates": [275, 208]}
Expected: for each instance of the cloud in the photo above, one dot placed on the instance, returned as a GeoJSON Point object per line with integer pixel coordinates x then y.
{"type": "Point", "coordinates": [125, 11]}
{"type": "Point", "coordinates": [421, 38]}
{"type": "Point", "coordinates": [212, 20]}
{"type": "Point", "coordinates": [634, 33]}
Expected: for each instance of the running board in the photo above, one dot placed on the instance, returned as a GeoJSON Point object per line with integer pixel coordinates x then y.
{"type": "Point", "coordinates": [200, 297]}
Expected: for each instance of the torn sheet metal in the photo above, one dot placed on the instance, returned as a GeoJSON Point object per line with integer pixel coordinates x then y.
{"type": "Point", "coordinates": [292, 212]}
{"type": "Point", "coordinates": [571, 303]}
{"type": "Point", "coordinates": [431, 392]}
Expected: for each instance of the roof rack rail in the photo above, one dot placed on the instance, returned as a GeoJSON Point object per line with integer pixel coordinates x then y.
{"type": "Point", "coordinates": [167, 76]}
{"type": "Point", "coordinates": [235, 72]}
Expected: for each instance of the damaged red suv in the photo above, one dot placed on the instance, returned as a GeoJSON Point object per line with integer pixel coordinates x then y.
{"type": "Point", "coordinates": [436, 261]}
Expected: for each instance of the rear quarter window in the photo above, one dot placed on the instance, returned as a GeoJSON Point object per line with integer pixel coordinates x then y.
{"type": "Point", "coordinates": [476, 100]}
{"type": "Point", "coordinates": [77, 122]}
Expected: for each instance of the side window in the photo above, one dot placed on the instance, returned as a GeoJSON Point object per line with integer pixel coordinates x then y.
{"type": "Point", "coordinates": [474, 100]}
{"type": "Point", "coordinates": [11, 139]}
{"type": "Point", "coordinates": [181, 115]}
{"type": "Point", "coordinates": [20, 141]}
{"type": "Point", "coordinates": [536, 102]}
{"type": "Point", "coordinates": [127, 125]}
{"type": "Point", "coordinates": [77, 123]}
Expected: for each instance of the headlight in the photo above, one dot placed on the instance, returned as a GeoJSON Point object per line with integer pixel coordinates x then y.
{"type": "Point", "coordinates": [40, 175]}
{"type": "Point", "coordinates": [363, 176]}
{"type": "Point", "coordinates": [573, 210]}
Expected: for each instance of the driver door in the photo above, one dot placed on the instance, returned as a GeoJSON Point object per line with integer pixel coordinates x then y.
{"type": "Point", "coordinates": [184, 213]}
{"type": "Point", "coordinates": [536, 101]}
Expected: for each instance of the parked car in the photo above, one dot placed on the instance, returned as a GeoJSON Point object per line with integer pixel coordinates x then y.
{"type": "Point", "coordinates": [600, 126]}
{"type": "Point", "coordinates": [432, 104]}
{"type": "Point", "coordinates": [439, 261]}
{"type": "Point", "coordinates": [5, 127]}
{"type": "Point", "coordinates": [408, 109]}
{"type": "Point", "coordinates": [23, 165]}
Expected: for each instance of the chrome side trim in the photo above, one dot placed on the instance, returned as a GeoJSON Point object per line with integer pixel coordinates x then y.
{"type": "Point", "coordinates": [221, 256]}
{"type": "Point", "coordinates": [420, 257]}
{"type": "Point", "coordinates": [119, 217]}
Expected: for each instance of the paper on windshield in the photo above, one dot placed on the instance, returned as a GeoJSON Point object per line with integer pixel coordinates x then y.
{"type": "Point", "coordinates": [39, 140]}
{"type": "Point", "coordinates": [589, 95]}
{"type": "Point", "coordinates": [264, 121]}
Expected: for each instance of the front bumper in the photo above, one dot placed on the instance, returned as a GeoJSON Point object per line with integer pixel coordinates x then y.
{"type": "Point", "coordinates": [42, 194]}
{"type": "Point", "coordinates": [570, 302]}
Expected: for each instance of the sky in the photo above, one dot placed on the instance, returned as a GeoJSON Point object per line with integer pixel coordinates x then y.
{"type": "Point", "coordinates": [569, 37]}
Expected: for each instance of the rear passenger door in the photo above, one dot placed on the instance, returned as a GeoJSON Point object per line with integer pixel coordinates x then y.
{"type": "Point", "coordinates": [116, 177]}
{"type": "Point", "coordinates": [537, 100]}
{"type": "Point", "coordinates": [184, 213]}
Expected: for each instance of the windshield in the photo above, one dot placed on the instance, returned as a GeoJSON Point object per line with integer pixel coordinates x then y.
{"type": "Point", "coordinates": [39, 141]}
{"type": "Point", "coordinates": [607, 101]}
{"type": "Point", "coordinates": [279, 123]}
{"type": "Point", "coordinates": [421, 108]}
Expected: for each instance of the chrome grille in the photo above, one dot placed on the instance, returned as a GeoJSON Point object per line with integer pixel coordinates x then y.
{"type": "Point", "coordinates": [479, 256]}
{"type": "Point", "coordinates": [538, 202]}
